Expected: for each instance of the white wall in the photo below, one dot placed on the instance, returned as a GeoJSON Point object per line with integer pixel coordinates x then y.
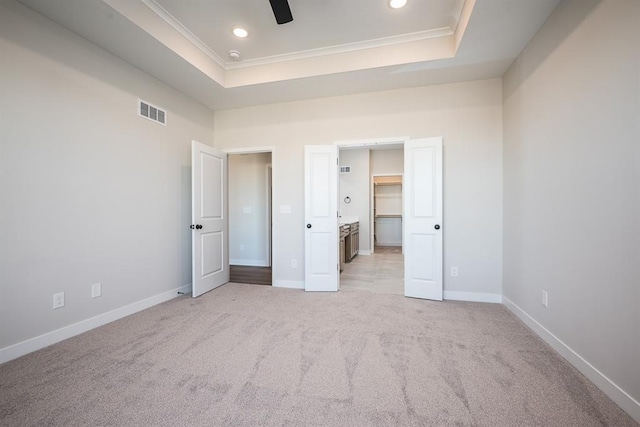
{"type": "Point", "coordinates": [248, 230]}
{"type": "Point", "coordinates": [355, 185]}
{"type": "Point", "coordinates": [467, 115]}
{"type": "Point", "coordinates": [89, 191]}
{"type": "Point", "coordinates": [572, 188]}
{"type": "Point", "coordinates": [389, 161]}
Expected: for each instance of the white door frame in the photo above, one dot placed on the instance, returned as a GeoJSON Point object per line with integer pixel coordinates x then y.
{"type": "Point", "coordinates": [269, 209]}
{"type": "Point", "coordinates": [366, 143]}
{"type": "Point", "coordinates": [272, 231]}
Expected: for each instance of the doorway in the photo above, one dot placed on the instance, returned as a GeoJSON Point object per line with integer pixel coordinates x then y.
{"type": "Point", "coordinates": [370, 181]}
{"type": "Point", "coordinates": [250, 217]}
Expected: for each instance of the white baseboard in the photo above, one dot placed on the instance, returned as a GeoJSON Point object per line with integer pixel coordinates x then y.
{"type": "Point", "coordinates": [611, 389]}
{"type": "Point", "coordinates": [472, 297]}
{"type": "Point", "coordinates": [249, 262]}
{"type": "Point", "coordinates": [20, 349]}
{"type": "Point", "coordinates": [291, 284]}
{"type": "Point", "coordinates": [361, 252]}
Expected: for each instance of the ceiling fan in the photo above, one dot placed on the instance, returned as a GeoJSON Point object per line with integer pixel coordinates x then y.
{"type": "Point", "coordinates": [281, 11]}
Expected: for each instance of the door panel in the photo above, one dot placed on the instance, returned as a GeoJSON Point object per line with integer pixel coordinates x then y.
{"type": "Point", "coordinates": [212, 246]}
{"type": "Point", "coordinates": [423, 218]}
{"type": "Point", "coordinates": [321, 218]}
{"type": "Point", "coordinates": [212, 177]}
{"type": "Point", "coordinates": [209, 219]}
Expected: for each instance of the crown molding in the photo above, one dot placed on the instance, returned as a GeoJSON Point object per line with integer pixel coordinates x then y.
{"type": "Point", "coordinates": [305, 54]}
{"type": "Point", "coordinates": [184, 31]}
{"type": "Point", "coordinates": [344, 48]}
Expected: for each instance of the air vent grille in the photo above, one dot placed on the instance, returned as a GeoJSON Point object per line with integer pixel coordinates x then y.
{"type": "Point", "coordinates": [345, 169]}
{"type": "Point", "coordinates": [152, 112]}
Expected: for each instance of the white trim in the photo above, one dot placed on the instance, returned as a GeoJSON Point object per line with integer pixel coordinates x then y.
{"type": "Point", "coordinates": [472, 297]}
{"type": "Point", "coordinates": [363, 252]}
{"type": "Point", "coordinates": [268, 211]}
{"type": "Point", "coordinates": [290, 284]}
{"type": "Point", "coordinates": [250, 262]}
{"type": "Point", "coordinates": [344, 48]}
{"type": "Point", "coordinates": [371, 142]}
{"type": "Point", "coordinates": [250, 150]}
{"type": "Point", "coordinates": [184, 31]}
{"type": "Point", "coordinates": [20, 349]}
{"type": "Point", "coordinates": [611, 389]}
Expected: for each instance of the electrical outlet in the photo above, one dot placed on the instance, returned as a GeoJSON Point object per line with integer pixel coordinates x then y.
{"type": "Point", "coordinates": [454, 271]}
{"type": "Point", "coordinates": [545, 298]}
{"type": "Point", "coordinates": [58, 300]}
{"type": "Point", "coordinates": [96, 290]}
{"type": "Point", "coordinates": [294, 263]}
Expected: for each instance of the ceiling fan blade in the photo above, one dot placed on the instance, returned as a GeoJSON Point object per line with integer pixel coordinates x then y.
{"type": "Point", "coordinates": [281, 11]}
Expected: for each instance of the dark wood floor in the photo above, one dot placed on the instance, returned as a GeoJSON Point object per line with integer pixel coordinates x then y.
{"type": "Point", "coordinates": [252, 275]}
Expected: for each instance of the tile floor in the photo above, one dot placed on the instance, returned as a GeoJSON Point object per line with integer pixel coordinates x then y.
{"type": "Point", "coordinates": [382, 272]}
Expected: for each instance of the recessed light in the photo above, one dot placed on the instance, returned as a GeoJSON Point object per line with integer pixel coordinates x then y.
{"type": "Point", "coordinates": [240, 32]}
{"type": "Point", "coordinates": [397, 4]}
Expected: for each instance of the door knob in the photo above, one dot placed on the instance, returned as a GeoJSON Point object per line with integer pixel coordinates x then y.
{"type": "Point", "coordinates": [437, 227]}
{"type": "Point", "coordinates": [308, 225]}
{"type": "Point", "coordinates": [198, 227]}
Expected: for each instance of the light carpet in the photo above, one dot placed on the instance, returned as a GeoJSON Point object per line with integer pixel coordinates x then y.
{"type": "Point", "coordinates": [256, 355]}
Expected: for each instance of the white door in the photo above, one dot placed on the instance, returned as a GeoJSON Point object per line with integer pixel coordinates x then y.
{"type": "Point", "coordinates": [321, 264]}
{"type": "Point", "coordinates": [209, 218]}
{"type": "Point", "coordinates": [422, 238]}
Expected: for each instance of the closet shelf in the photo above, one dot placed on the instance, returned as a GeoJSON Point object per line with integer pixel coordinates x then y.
{"type": "Point", "coordinates": [386, 184]}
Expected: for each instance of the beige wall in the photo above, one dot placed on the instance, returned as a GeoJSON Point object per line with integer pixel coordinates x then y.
{"type": "Point", "coordinates": [467, 115]}
{"type": "Point", "coordinates": [387, 161]}
{"type": "Point", "coordinates": [572, 187]}
{"type": "Point", "coordinates": [355, 185]}
{"type": "Point", "coordinates": [90, 192]}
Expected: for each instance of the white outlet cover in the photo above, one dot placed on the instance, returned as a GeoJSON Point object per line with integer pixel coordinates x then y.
{"type": "Point", "coordinates": [96, 290]}
{"type": "Point", "coordinates": [58, 300]}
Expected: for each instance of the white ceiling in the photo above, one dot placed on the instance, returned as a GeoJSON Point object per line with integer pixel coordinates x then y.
{"type": "Point", "coordinates": [332, 47]}
{"type": "Point", "coordinates": [317, 25]}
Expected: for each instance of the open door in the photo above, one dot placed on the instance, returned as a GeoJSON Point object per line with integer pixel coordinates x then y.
{"type": "Point", "coordinates": [321, 264]}
{"type": "Point", "coordinates": [210, 224]}
{"type": "Point", "coordinates": [422, 238]}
